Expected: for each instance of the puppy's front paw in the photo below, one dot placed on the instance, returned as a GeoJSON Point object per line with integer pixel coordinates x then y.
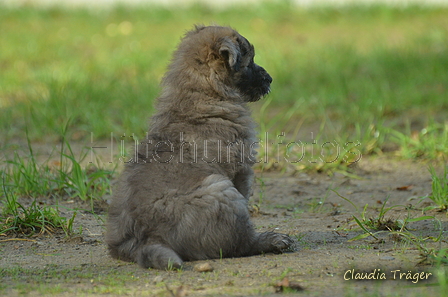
{"type": "Point", "coordinates": [282, 242]}
{"type": "Point", "coordinates": [270, 242]}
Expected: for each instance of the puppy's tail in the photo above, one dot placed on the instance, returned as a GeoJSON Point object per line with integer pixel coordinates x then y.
{"type": "Point", "coordinates": [158, 256]}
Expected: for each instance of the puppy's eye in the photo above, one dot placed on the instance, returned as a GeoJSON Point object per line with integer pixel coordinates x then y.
{"type": "Point", "coordinates": [246, 67]}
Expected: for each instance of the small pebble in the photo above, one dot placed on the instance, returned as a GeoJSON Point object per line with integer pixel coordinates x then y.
{"type": "Point", "coordinates": [157, 279]}
{"type": "Point", "coordinates": [387, 258]}
{"type": "Point", "coordinates": [203, 267]}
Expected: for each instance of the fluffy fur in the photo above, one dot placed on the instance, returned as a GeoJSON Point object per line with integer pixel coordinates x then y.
{"type": "Point", "coordinates": [184, 196]}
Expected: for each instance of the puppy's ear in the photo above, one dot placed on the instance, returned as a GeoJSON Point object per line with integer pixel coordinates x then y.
{"type": "Point", "coordinates": [230, 52]}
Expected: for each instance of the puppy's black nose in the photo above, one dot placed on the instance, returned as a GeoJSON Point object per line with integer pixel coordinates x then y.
{"type": "Point", "coordinates": [268, 78]}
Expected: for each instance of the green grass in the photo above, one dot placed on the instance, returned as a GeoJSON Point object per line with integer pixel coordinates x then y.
{"type": "Point", "coordinates": [356, 72]}
{"type": "Point", "coordinates": [60, 175]}
{"type": "Point", "coordinates": [26, 181]}
{"type": "Point", "coordinates": [439, 193]}
{"type": "Point", "coordinates": [430, 142]}
{"type": "Point", "coordinates": [430, 246]}
{"type": "Point", "coordinates": [32, 219]}
{"type": "Point", "coordinates": [384, 223]}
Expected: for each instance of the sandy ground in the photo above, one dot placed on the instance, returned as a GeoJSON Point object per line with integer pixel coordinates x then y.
{"type": "Point", "coordinates": [323, 263]}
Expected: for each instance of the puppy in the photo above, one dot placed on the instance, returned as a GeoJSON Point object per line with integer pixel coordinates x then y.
{"type": "Point", "coordinates": [184, 195]}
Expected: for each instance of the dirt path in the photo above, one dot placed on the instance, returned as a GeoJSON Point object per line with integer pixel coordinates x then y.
{"type": "Point", "coordinates": [302, 205]}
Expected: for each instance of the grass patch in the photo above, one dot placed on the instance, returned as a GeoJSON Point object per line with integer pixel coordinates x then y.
{"type": "Point", "coordinates": [399, 231]}
{"type": "Point", "coordinates": [25, 182]}
{"type": "Point", "coordinates": [33, 219]}
{"type": "Point", "coordinates": [428, 143]}
{"type": "Point", "coordinates": [382, 223]}
{"type": "Point", "coordinates": [59, 176]}
{"type": "Point", "coordinates": [358, 72]}
{"type": "Point", "coordinates": [439, 193]}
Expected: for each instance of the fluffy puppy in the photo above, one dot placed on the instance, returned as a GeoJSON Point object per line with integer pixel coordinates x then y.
{"type": "Point", "coordinates": [184, 195]}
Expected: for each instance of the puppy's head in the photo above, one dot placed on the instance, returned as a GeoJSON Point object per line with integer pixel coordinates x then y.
{"type": "Point", "coordinates": [225, 59]}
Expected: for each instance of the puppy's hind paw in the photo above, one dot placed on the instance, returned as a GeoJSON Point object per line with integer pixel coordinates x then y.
{"type": "Point", "coordinates": [160, 257]}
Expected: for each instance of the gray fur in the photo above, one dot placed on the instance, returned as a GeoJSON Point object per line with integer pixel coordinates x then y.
{"type": "Point", "coordinates": [185, 196]}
